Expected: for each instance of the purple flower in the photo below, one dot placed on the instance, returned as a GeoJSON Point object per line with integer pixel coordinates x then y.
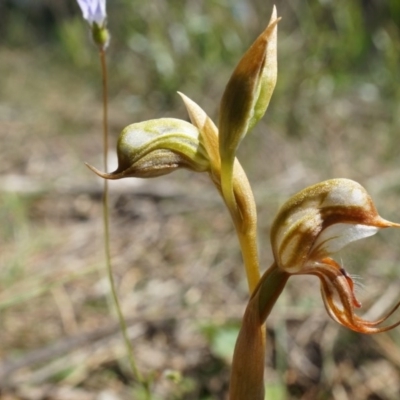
{"type": "Point", "coordinates": [94, 11]}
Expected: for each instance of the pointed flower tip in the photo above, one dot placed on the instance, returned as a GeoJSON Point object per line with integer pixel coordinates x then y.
{"type": "Point", "coordinates": [272, 25]}
{"type": "Point", "coordinates": [390, 224]}
{"type": "Point", "coordinates": [196, 114]}
{"type": "Point", "coordinates": [207, 130]}
{"type": "Point", "coordinates": [186, 100]}
{"type": "Point", "coordinates": [105, 175]}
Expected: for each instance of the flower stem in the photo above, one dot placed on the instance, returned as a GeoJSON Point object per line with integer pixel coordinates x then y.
{"type": "Point", "coordinates": [249, 251]}
{"type": "Point", "coordinates": [269, 289]}
{"type": "Point", "coordinates": [245, 220]}
{"type": "Point", "coordinates": [247, 374]}
{"type": "Point", "coordinates": [227, 186]}
{"type": "Point", "coordinates": [106, 226]}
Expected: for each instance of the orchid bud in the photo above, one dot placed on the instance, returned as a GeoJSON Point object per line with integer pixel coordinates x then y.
{"type": "Point", "coordinates": [249, 90]}
{"type": "Point", "coordinates": [158, 147]}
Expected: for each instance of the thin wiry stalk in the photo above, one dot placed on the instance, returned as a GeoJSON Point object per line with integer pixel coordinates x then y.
{"type": "Point", "coordinates": [106, 224]}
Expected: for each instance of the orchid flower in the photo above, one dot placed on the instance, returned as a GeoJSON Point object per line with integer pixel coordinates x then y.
{"type": "Point", "coordinates": [309, 229]}
{"type": "Point", "coordinates": [94, 12]}
{"type": "Point", "coordinates": [315, 224]}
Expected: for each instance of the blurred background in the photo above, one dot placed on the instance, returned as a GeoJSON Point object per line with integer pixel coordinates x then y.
{"type": "Point", "coordinates": [335, 113]}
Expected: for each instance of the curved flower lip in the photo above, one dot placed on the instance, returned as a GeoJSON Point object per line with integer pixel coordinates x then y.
{"type": "Point", "coordinates": [337, 289]}
{"type": "Point", "coordinates": [94, 11]}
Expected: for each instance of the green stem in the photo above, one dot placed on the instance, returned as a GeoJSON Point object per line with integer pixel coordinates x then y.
{"type": "Point", "coordinates": [245, 220]}
{"type": "Point", "coordinates": [106, 225]}
{"type": "Point", "coordinates": [227, 186]}
{"type": "Point", "coordinates": [248, 247]}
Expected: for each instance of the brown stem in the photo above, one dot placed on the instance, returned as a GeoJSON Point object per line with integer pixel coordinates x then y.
{"type": "Point", "coordinates": [247, 375]}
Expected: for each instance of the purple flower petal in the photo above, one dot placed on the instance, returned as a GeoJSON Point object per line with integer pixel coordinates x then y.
{"type": "Point", "coordinates": [94, 11]}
